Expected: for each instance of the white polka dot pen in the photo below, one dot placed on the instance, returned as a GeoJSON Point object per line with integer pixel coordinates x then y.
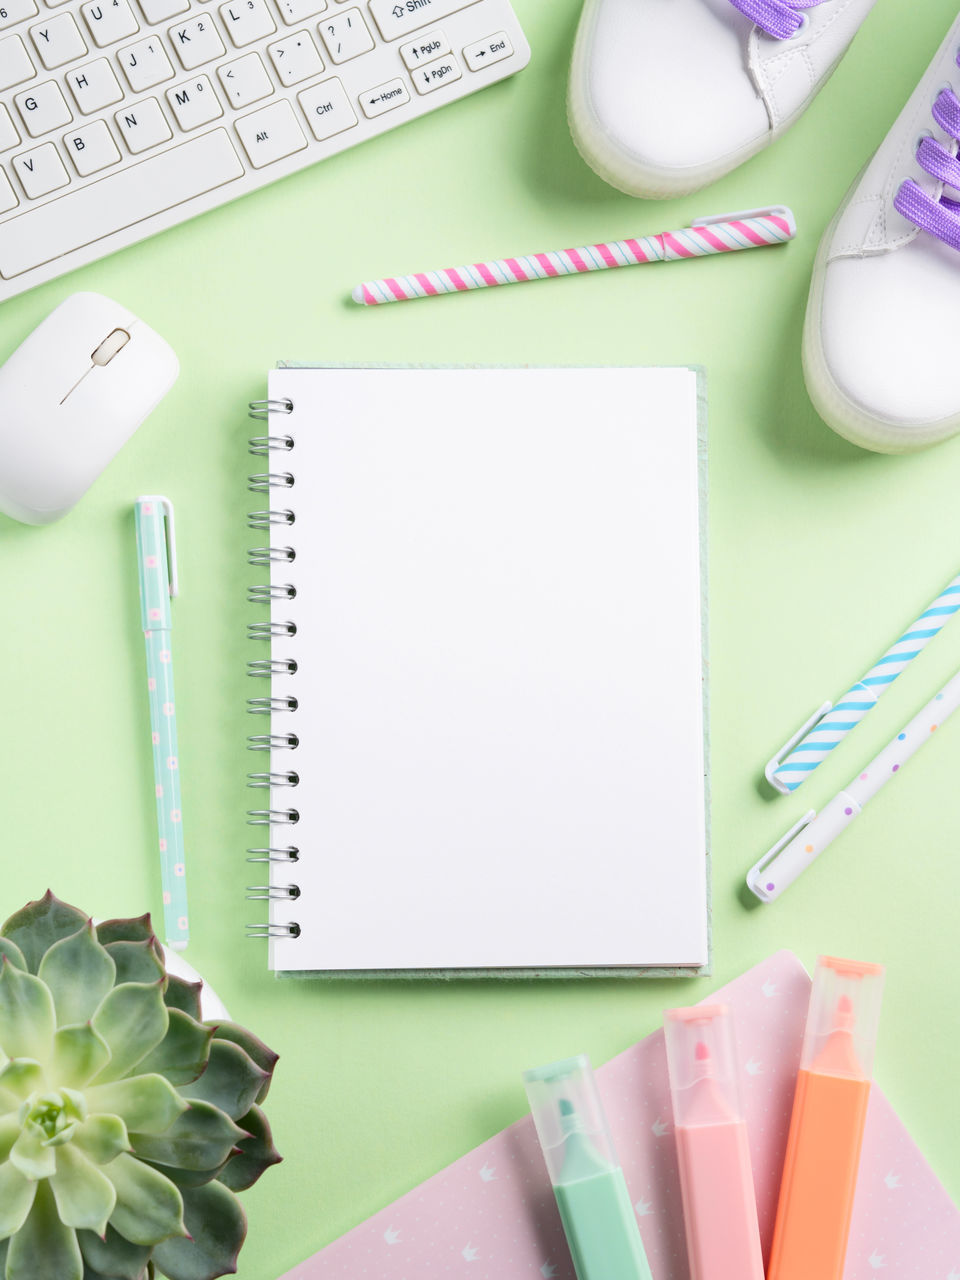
{"type": "Point", "coordinates": [724, 233]}
{"type": "Point", "coordinates": [803, 843]}
{"type": "Point", "coordinates": [158, 582]}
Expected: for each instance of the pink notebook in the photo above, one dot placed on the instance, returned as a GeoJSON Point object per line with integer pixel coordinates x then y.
{"type": "Point", "coordinates": [492, 1216]}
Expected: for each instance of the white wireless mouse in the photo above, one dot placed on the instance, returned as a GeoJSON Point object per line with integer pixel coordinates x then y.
{"type": "Point", "coordinates": [71, 396]}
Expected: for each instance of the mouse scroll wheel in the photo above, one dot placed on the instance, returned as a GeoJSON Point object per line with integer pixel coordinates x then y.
{"type": "Point", "coordinates": [109, 347]}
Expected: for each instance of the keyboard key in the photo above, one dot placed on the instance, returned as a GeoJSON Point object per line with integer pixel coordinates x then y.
{"type": "Point", "coordinates": [270, 134]}
{"type": "Point", "coordinates": [109, 21]}
{"type": "Point", "coordinates": [143, 126]}
{"type": "Point", "coordinates": [432, 44]}
{"type": "Point", "coordinates": [197, 41]}
{"type": "Point", "coordinates": [327, 109]}
{"type": "Point", "coordinates": [384, 98]}
{"type": "Point", "coordinates": [8, 197]}
{"type": "Point", "coordinates": [346, 35]}
{"type": "Point", "coordinates": [160, 10]}
{"type": "Point", "coordinates": [246, 21]}
{"type": "Point", "coordinates": [436, 74]}
{"type": "Point", "coordinates": [43, 108]}
{"type": "Point", "coordinates": [94, 86]}
{"type": "Point", "coordinates": [15, 64]}
{"type": "Point", "coordinates": [397, 17]}
{"type": "Point", "coordinates": [40, 171]}
{"type": "Point", "coordinates": [194, 103]}
{"type": "Point", "coordinates": [145, 64]}
{"type": "Point", "coordinates": [294, 11]}
{"type": "Point", "coordinates": [245, 80]}
{"type": "Point", "coordinates": [12, 11]}
{"type": "Point", "coordinates": [91, 148]}
{"type": "Point", "coordinates": [58, 41]}
{"type": "Point", "coordinates": [8, 134]}
{"type": "Point", "coordinates": [118, 201]}
{"type": "Point", "coordinates": [295, 58]}
{"type": "Point", "coordinates": [485, 52]}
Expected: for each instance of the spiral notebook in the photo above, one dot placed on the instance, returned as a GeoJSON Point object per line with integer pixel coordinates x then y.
{"type": "Point", "coordinates": [486, 675]}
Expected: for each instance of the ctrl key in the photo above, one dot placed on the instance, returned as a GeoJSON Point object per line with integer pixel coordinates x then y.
{"type": "Point", "coordinates": [327, 108]}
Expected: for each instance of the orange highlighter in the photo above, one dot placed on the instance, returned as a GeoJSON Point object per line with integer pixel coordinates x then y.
{"type": "Point", "coordinates": [826, 1127]}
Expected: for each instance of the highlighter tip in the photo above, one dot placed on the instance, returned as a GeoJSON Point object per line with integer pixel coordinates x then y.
{"type": "Point", "coordinates": [702, 1052]}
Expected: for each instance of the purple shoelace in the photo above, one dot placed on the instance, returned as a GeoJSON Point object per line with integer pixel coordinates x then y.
{"type": "Point", "coordinates": [940, 217]}
{"type": "Point", "coordinates": [778, 18]}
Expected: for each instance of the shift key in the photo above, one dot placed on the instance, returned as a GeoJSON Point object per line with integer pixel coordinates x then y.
{"type": "Point", "coordinates": [396, 17]}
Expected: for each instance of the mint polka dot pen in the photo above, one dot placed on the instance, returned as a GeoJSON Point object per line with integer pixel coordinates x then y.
{"type": "Point", "coordinates": [804, 843]}
{"type": "Point", "coordinates": [158, 583]}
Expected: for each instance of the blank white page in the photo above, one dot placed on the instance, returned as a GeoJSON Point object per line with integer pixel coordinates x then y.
{"type": "Point", "coordinates": [499, 669]}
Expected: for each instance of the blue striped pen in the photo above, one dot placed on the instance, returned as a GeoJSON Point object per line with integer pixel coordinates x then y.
{"type": "Point", "coordinates": [828, 726]}
{"type": "Point", "coordinates": [158, 582]}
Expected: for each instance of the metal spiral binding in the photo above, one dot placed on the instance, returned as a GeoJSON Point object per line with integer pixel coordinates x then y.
{"type": "Point", "coordinates": [264, 519]}
{"type": "Point", "coordinates": [262, 409]}
{"type": "Point", "coordinates": [266, 630]}
{"type": "Point", "coordinates": [275, 853]}
{"type": "Point", "coordinates": [291, 930]}
{"type": "Point", "coordinates": [266, 667]}
{"type": "Point", "coordinates": [273, 742]}
{"type": "Point", "coordinates": [266, 593]}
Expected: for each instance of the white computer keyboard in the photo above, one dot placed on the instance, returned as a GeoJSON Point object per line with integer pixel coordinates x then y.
{"type": "Point", "coordinates": [120, 118]}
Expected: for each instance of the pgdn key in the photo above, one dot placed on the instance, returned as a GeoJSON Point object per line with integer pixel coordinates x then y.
{"type": "Point", "coordinates": [436, 74]}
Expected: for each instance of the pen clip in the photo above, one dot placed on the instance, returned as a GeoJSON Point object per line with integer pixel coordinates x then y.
{"type": "Point", "coordinates": [771, 210]}
{"type": "Point", "coordinates": [774, 763]}
{"type": "Point", "coordinates": [171, 539]}
{"type": "Point", "coordinates": [758, 868]}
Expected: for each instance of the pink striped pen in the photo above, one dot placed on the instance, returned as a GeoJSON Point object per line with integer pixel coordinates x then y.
{"type": "Point", "coordinates": [724, 233]}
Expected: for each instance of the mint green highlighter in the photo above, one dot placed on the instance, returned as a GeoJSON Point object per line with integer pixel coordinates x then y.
{"type": "Point", "coordinates": [589, 1185]}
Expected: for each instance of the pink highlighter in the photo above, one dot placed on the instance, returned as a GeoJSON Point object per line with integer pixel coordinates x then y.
{"type": "Point", "coordinates": [716, 1179]}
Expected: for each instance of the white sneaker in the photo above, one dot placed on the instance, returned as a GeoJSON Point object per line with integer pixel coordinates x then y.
{"type": "Point", "coordinates": [880, 340]}
{"type": "Point", "coordinates": [668, 95]}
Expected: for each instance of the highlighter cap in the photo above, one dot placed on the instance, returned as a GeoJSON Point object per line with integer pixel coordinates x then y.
{"type": "Point", "coordinates": [567, 1111]}
{"type": "Point", "coordinates": [701, 1048]}
{"type": "Point", "coordinates": [844, 1015]}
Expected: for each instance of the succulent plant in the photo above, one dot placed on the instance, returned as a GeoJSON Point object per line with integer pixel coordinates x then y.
{"type": "Point", "coordinates": [126, 1122]}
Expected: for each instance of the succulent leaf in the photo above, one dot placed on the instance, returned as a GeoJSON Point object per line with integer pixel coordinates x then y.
{"type": "Point", "coordinates": [113, 1256]}
{"type": "Point", "coordinates": [135, 929]}
{"type": "Point", "coordinates": [79, 1053]}
{"type": "Point", "coordinates": [183, 995]}
{"type": "Point", "coordinates": [147, 1104]}
{"type": "Point", "coordinates": [264, 1057]}
{"type": "Point", "coordinates": [187, 1178]}
{"type": "Point", "coordinates": [102, 1138]}
{"type": "Point", "coordinates": [149, 1207]}
{"type": "Point", "coordinates": [44, 1246]}
{"type": "Point", "coordinates": [16, 1199]}
{"type": "Point", "coordinates": [84, 1197]}
{"type": "Point", "coordinates": [255, 1154]}
{"type": "Point", "coordinates": [231, 1080]}
{"type": "Point", "coordinates": [218, 1225]}
{"type": "Point", "coordinates": [10, 1127]}
{"type": "Point", "coordinates": [79, 973]}
{"type": "Point", "coordinates": [30, 1154]}
{"type": "Point", "coordinates": [22, 1076]}
{"type": "Point", "coordinates": [37, 926]}
{"type": "Point", "coordinates": [133, 1020]}
{"type": "Point", "coordinates": [202, 1138]}
{"type": "Point", "coordinates": [12, 952]}
{"type": "Point", "coordinates": [136, 961]}
{"type": "Point", "coordinates": [182, 1054]}
{"type": "Point", "coordinates": [27, 1019]}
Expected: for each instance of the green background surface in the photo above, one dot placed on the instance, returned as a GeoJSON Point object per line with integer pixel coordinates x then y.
{"type": "Point", "coordinates": [819, 555]}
